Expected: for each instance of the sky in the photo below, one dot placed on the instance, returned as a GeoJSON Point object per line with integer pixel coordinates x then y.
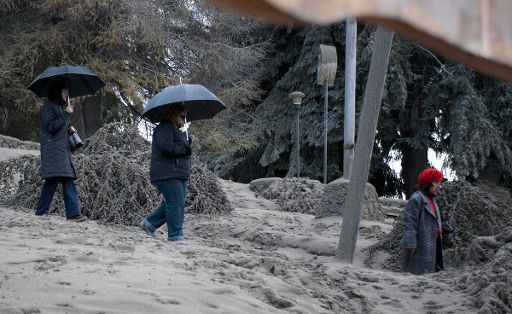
{"type": "Point", "coordinates": [436, 161]}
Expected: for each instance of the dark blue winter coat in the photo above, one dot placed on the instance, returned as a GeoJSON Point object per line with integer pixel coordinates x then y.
{"type": "Point", "coordinates": [170, 154]}
{"type": "Point", "coordinates": [419, 231]}
{"type": "Point", "coordinates": [56, 160]}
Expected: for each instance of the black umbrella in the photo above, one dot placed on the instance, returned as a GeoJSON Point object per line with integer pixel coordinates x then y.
{"type": "Point", "coordinates": [199, 102]}
{"type": "Point", "coordinates": [80, 81]}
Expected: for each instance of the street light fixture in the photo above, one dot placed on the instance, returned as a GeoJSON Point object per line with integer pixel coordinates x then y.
{"type": "Point", "coordinates": [296, 97]}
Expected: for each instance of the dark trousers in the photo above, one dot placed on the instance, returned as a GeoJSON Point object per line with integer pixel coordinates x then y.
{"type": "Point", "coordinates": [439, 255]}
{"type": "Point", "coordinates": [172, 210]}
{"type": "Point", "coordinates": [70, 196]}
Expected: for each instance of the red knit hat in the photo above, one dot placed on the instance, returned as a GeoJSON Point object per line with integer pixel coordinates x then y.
{"type": "Point", "coordinates": [430, 175]}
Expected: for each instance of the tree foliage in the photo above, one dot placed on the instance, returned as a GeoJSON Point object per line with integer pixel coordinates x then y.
{"type": "Point", "coordinates": [472, 122]}
{"type": "Point", "coordinates": [137, 47]}
{"type": "Point", "coordinates": [429, 103]}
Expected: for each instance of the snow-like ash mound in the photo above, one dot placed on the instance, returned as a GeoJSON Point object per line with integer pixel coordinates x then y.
{"type": "Point", "coordinates": [113, 180]}
{"type": "Point", "coordinates": [295, 194]}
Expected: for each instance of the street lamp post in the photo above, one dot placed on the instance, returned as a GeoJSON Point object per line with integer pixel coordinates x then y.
{"type": "Point", "coordinates": [297, 100]}
{"type": "Point", "coordinates": [326, 73]}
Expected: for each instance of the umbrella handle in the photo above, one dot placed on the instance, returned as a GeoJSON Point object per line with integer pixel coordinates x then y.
{"type": "Point", "coordinates": [186, 130]}
{"type": "Point", "coordinates": [67, 87]}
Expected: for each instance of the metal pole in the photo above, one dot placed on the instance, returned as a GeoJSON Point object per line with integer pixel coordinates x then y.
{"type": "Point", "coordinates": [365, 139]}
{"type": "Point", "coordinates": [350, 97]}
{"type": "Point", "coordinates": [326, 108]}
{"type": "Point", "coordinates": [296, 97]}
{"type": "Point", "coordinates": [297, 139]}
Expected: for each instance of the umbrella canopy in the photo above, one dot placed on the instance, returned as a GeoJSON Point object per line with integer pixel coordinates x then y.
{"type": "Point", "coordinates": [80, 80]}
{"type": "Point", "coordinates": [199, 102]}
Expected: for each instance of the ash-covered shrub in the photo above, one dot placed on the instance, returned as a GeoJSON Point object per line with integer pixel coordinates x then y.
{"type": "Point", "coordinates": [390, 243]}
{"type": "Point", "coordinates": [111, 187]}
{"type": "Point", "coordinates": [295, 194]}
{"type": "Point", "coordinates": [489, 283]}
{"type": "Point", "coordinates": [474, 211]}
{"type": "Point", "coordinates": [11, 173]}
{"type": "Point", "coordinates": [123, 139]}
{"type": "Point", "coordinates": [113, 180]}
{"type": "Point", "coordinates": [205, 194]}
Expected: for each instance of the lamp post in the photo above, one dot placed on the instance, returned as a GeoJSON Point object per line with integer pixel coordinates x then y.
{"type": "Point", "coordinates": [326, 73]}
{"type": "Point", "coordinates": [296, 97]}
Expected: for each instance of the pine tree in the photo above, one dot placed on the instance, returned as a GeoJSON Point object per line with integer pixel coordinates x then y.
{"type": "Point", "coordinates": [473, 127]}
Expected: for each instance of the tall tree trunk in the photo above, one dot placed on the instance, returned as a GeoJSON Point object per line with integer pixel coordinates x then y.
{"type": "Point", "coordinates": [77, 119]}
{"type": "Point", "coordinates": [87, 116]}
{"type": "Point", "coordinates": [92, 114]}
{"type": "Point", "coordinates": [414, 160]}
{"type": "Point", "coordinates": [365, 142]}
{"type": "Point", "coordinates": [491, 173]}
{"type": "Point", "coordinates": [414, 152]}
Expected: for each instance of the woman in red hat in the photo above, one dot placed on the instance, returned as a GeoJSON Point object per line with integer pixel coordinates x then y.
{"type": "Point", "coordinates": [422, 223]}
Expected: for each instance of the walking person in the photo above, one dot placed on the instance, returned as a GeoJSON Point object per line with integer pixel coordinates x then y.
{"type": "Point", "coordinates": [56, 160]}
{"type": "Point", "coordinates": [422, 250]}
{"type": "Point", "coordinates": [169, 172]}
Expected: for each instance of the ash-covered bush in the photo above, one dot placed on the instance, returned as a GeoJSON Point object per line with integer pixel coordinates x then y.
{"type": "Point", "coordinates": [295, 194]}
{"type": "Point", "coordinates": [123, 139]}
{"type": "Point", "coordinates": [489, 282]}
{"type": "Point", "coordinates": [113, 180]}
{"type": "Point", "coordinates": [474, 211]}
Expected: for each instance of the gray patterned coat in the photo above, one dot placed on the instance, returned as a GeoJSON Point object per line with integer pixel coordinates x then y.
{"type": "Point", "coordinates": [419, 230]}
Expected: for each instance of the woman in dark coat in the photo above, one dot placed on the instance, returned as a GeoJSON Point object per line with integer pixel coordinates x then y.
{"type": "Point", "coordinates": [422, 224]}
{"type": "Point", "coordinates": [56, 161]}
{"type": "Point", "coordinates": [169, 172]}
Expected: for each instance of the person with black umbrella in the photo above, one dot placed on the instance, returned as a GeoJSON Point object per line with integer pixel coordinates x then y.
{"type": "Point", "coordinates": [56, 160]}
{"type": "Point", "coordinates": [170, 164]}
{"type": "Point", "coordinates": [169, 172]}
{"type": "Point", "coordinates": [58, 85]}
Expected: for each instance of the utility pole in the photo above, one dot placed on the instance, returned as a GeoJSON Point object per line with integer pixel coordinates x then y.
{"type": "Point", "coordinates": [326, 119]}
{"type": "Point", "coordinates": [349, 123]}
{"type": "Point", "coordinates": [365, 140]}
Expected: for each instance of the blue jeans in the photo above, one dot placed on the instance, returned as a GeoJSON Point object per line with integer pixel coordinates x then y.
{"type": "Point", "coordinates": [172, 210]}
{"type": "Point", "coordinates": [70, 196]}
